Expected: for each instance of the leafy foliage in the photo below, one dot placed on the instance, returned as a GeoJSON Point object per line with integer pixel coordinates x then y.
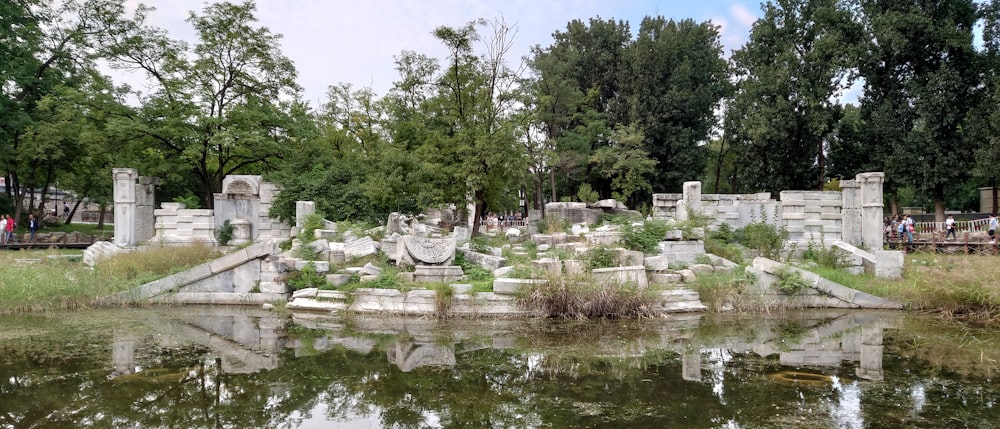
{"type": "Point", "coordinates": [307, 277]}
{"type": "Point", "coordinates": [764, 239]}
{"type": "Point", "coordinates": [601, 257]}
{"type": "Point", "coordinates": [224, 233]}
{"type": "Point", "coordinates": [645, 238]}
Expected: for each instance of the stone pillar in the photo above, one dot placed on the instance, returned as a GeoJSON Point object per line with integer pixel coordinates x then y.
{"type": "Point", "coordinates": [125, 205]}
{"type": "Point", "coordinates": [690, 201]}
{"type": "Point", "coordinates": [691, 365]}
{"type": "Point", "coordinates": [870, 365]}
{"type": "Point", "coordinates": [145, 205]}
{"type": "Point", "coordinates": [241, 232]}
{"type": "Point", "coordinates": [871, 210]}
{"type": "Point", "coordinates": [122, 354]}
{"type": "Point", "coordinates": [302, 210]}
{"type": "Point", "coordinates": [851, 212]}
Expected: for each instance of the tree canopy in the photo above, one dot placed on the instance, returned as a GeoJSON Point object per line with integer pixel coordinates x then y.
{"type": "Point", "coordinates": [625, 109]}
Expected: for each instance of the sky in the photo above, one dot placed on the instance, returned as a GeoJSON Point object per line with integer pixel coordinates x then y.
{"type": "Point", "coordinates": [356, 42]}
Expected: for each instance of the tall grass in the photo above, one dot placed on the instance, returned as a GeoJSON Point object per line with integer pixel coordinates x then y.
{"type": "Point", "coordinates": [583, 298]}
{"type": "Point", "coordinates": [951, 285]}
{"type": "Point", "coordinates": [41, 280]}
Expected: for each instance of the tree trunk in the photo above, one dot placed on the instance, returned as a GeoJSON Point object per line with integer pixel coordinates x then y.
{"type": "Point", "coordinates": [552, 183]}
{"type": "Point", "coordinates": [821, 162]}
{"type": "Point", "coordinates": [477, 216]}
{"type": "Point", "coordinates": [72, 211]}
{"type": "Point", "coordinates": [995, 202]}
{"type": "Point", "coordinates": [100, 216]}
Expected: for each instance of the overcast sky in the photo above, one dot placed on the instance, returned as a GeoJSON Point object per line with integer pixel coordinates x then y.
{"type": "Point", "coordinates": [334, 41]}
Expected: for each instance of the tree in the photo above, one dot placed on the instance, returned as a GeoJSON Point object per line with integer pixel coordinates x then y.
{"type": "Point", "coordinates": [475, 143]}
{"type": "Point", "coordinates": [228, 105]}
{"type": "Point", "coordinates": [985, 118]}
{"type": "Point", "coordinates": [675, 79]}
{"type": "Point", "coordinates": [627, 164]}
{"type": "Point", "coordinates": [920, 87]}
{"type": "Point", "coordinates": [46, 52]}
{"type": "Point", "coordinates": [790, 74]}
{"type": "Point", "coordinates": [577, 93]}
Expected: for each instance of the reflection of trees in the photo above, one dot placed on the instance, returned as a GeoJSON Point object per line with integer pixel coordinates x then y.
{"type": "Point", "coordinates": [573, 375]}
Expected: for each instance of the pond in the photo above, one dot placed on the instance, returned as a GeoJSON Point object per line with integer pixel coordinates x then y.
{"type": "Point", "coordinates": [207, 367]}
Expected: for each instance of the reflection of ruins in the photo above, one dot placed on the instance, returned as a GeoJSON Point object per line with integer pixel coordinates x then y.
{"type": "Point", "coordinates": [241, 340]}
{"type": "Point", "coordinates": [246, 341]}
{"type": "Point", "coordinates": [823, 340]}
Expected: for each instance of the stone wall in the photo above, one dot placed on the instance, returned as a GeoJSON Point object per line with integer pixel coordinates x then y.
{"type": "Point", "coordinates": [176, 224]}
{"type": "Point", "coordinates": [737, 210]}
{"type": "Point", "coordinates": [812, 216]}
{"type": "Point", "coordinates": [250, 199]}
{"type": "Point", "coordinates": [853, 215]}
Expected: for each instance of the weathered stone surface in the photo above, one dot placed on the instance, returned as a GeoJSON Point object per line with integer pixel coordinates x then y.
{"type": "Point", "coordinates": [665, 279]}
{"type": "Point", "coordinates": [502, 272]}
{"type": "Point", "coordinates": [541, 239]}
{"type": "Point", "coordinates": [673, 235]}
{"type": "Point", "coordinates": [632, 257]}
{"type": "Point", "coordinates": [358, 248]}
{"type": "Point", "coordinates": [687, 276]}
{"type": "Point", "coordinates": [701, 268]}
{"type": "Point", "coordinates": [622, 275]}
{"type": "Point", "coordinates": [338, 279]}
{"type": "Point", "coordinates": [604, 238]}
{"type": "Point", "coordinates": [509, 286]}
{"type": "Point", "coordinates": [437, 273]}
{"type": "Point", "coordinates": [490, 262]}
{"type": "Point", "coordinates": [573, 267]}
{"type": "Point", "coordinates": [427, 251]}
{"type": "Point", "coordinates": [305, 293]}
{"type": "Point", "coordinates": [551, 267]}
{"type": "Point", "coordinates": [657, 263]}
{"type": "Point", "coordinates": [371, 270]}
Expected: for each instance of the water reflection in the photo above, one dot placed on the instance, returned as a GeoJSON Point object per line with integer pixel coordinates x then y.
{"type": "Point", "coordinates": [207, 367]}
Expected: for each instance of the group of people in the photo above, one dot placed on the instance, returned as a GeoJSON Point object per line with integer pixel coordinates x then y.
{"type": "Point", "coordinates": [903, 225]}
{"type": "Point", "coordinates": [494, 221]}
{"type": "Point", "coordinates": [8, 225]}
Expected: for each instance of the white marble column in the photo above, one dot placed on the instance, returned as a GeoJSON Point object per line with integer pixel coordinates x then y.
{"type": "Point", "coordinates": [871, 210]}
{"type": "Point", "coordinates": [851, 212]}
{"type": "Point", "coordinates": [125, 205]}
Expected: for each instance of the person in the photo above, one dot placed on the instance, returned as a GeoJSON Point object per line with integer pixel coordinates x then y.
{"type": "Point", "coordinates": [32, 227]}
{"type": "Point", "coordinates": [906, 227]}
{"type": "Point", "coordinates": [65, 210]}
{"type": "Point", "coordinates": [949, 225]}
{"type": "Point", "coordinates": [3, 229]}
{"type": "Point", "coordinates": [11, 225]}
{"type": "Point", "coordinates": [992, 231]}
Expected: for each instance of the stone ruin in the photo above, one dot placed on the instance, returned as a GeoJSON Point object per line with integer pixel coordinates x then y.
{"type": "Point", "coordinates": [430, 257]}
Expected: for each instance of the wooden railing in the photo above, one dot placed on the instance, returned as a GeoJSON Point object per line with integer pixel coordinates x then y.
{"type": "Point", "coordinates": [978, 225]}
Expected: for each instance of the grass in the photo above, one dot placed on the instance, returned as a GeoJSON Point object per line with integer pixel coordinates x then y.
{"type": "Point", "coordinates": [951, 285]}
{"type": "Point", "coordinates": [31, 280]}
{"type": "Point", "coordinates": [568, 297]}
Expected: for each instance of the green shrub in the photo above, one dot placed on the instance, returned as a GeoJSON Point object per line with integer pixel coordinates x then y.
{"type": "Point", "coordinates": [307, 277]}
{"type": "Point", "coordinates": [764, 239]}
{"type": "Point", "coordinates": [644, 238]}
{"type": "Point", "coordinates": [601, 257]}
{"type": "Point", "coordinates": [309, 227]}
{"type": "Point", "coordinates": [724, 233]}
{"type": "Point", "coordinates": [791, 282]}
{"type": "Point", "coordinates": [587, 194]}
{"type": "Point", "coordinates": [224, 233]}
{"type": "Point", "coordinates": [830, 258]}
{"type": "Point", "coordinates": [190, 201]}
